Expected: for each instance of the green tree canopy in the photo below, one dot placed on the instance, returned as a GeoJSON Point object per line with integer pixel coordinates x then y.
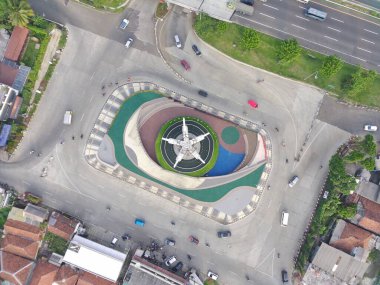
{"type": "Point", "coordinates": [369, 145]}
{"type": "Point", "coordinates": [16, 12]}
{"type": "Point", "coordinates": [288, 50]}
{"type": "Point", "coordinates": [250, 39]}
{"type": "Point", "coordinates": [359, 81]}
{"type": "Point", "coordinates": [347, 211]}
{"type": "Point", "coordinates": [331, 65]}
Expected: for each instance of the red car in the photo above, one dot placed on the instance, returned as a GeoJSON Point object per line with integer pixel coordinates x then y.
{"type": "Point", "coordinates": [193, 239]}
{"type": "Point", "coordinates": [253, 104]}
{"type": "Point", "coordinates": [185, 64]}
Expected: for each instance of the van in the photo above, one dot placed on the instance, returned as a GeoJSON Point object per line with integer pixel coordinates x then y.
{"type": "Point", "coordinates": [293, 181]}
{"type": "Point", "coordinates": [114, 241]}
{"type": "Point", "coordinates": [177, 41]}
{"type": "Point", "coordinates": [170, 260]}
{"type": "Point", "coordinates": [284, 218]}
{"type": "Point", "coordinates": [129, 43]}
{"type": "Point", "coordinates": [139, 222]}
{"type": "Point", "coordinates": [284, 275]}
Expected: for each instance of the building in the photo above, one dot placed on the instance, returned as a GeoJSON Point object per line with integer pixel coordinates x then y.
{"type": "Point", "coordinates": [353, 240]}
{"type": "Point", "coordinates": [339, 264]}
{"type": "Point", "coordinates": [7, 98]}
{"type": "Point", "coordinates": [20, 246]}
{"type": "Point", "coordinates": [16, 43]}
{"type": "Point", "coordinates": [142, 272]}
{"type": "Point", "coordinates": [34, 214]}
{"type": "Point", "coordinates": [44, 273]}
{"type": "Point", "coordinates": [219, 9]}
{"type": "Point", "coordinates": [94, 258]}
{"type": "Point", "coordinates": [369, 190]}
{"type": "Point", "coordinates": [66, 275]}
{"type": "Point", "coordinates": [15, 269]}
{"type": "Point", "coordinates": [4, 134]}
{"type": "Point", "coordinates": [62, 226]}
{"type": "Point", "coordinates": [367, 213]}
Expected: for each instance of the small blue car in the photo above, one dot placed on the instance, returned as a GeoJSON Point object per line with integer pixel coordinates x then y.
{"type": "Point", "coordinates": [139, 222]}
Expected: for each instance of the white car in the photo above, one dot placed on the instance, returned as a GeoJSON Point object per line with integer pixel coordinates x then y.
{"type": "Point", "coordinates": [129, 43]}
{"type": "Point", "coordinates": [124, 23]}
{"type": "Point", "coordinates": [170, 260]}
{"type": "Point", "coordinates": [212, 275]}
{"type": "Point", "coordinates": [293, 181]}
{"type": "Point", "coordinates": [370, 128]}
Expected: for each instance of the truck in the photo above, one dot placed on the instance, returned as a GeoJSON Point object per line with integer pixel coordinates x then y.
{"type": "Point", "coordinates": [67, 117]}
{"type": "Point", "coordinates": [244, 9]}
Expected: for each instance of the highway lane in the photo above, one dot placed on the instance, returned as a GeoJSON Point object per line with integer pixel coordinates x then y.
{"type": "Point", "coordinates": [355, 40]}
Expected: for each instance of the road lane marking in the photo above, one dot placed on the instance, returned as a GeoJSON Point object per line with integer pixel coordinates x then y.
{"type": "Point", "coordinates": [82, 118]}
{"type": "Point", "coordinates": [92, 76]}
{"type": "Point", "coordinates": [92, 97]}
{"type": "Point", "coordinates": [274, 8]}
{"type": "Point", "coordinates": [212, 263]}
{"type": "Point", "coordinates": [233, 273]}
{"type": "Point", "coordinates": [302, 28]}
{"type": "Point", "coordinates": [364, 49]}
{"type": "Point", "coordinates": [327, 37]}
{"type": "Point", "coordinates": [368, 41]}
{"type": "Point", "coordinates": [337, 20]}
{"type": "Point", "coordinates": [372, 32]}
{"type": "Point", "coordinates": [26, 183]}
{"type": "Point", "coordinates": [299, 17]}
{"type": "Point", "coordinates": [303, 8]}
{"type": "Point", "coordinates": [304, 39]}
{"type": "Point", "coordinates": [267, 16]}
{"type": "Point", "coordinates": [334, 29]}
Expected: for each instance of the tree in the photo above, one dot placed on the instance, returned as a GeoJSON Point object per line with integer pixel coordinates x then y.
{"type": "Point", "coordinates": [250, 39]}
{"type": "Point", "coordinates": [331, 65]}
{"type": "Point", "coordinates": [347, 211]}
{"type": "Point", "coordinates": [354, 156]}
{"type": "Point", "coordinates": [288, 50]}
{"type": "Point", "coordinates": [368, 163]}
{"type": "Point", "coordinates": [17, 12]}
{"type": "Point", "coordinates": [359, 81]}
{"type": "Point", "coordinates": [369, 146]}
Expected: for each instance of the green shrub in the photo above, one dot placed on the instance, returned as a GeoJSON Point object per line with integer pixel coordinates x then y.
{"type": "Point", "coordinates": [55, 243]}
{"type": "Point", "coordinates": [359, 81]}
{"type": "Point", "coordinates": [368, 163]}
{"type": "Point", "coordinates": [250, 39]}
{"type": "Point", "coordinates": [354, 156]}
{"type": "Point", "coordinates": [288, 50]}
{"type": "Point", "coordinates": [331, 65]}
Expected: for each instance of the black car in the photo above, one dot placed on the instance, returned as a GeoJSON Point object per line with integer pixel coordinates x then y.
{"type": "Point", "coordinates": [224, 234]}
{"type": "Point", "coordinates": [196, 50]}
{"type": "Point", "coordinates": [284, 275]}
{"type": "Point", "coordinates": [178, 267]}
{"type": "Point", "coordinates": [203, 93]}
{"type": "Point", "coordinates": [247, 2]}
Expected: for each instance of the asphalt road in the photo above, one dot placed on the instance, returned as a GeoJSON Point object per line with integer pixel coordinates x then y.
{"type": "Point", "coordinates": [355, 40]}
{"type": "Point", "coordinates": [94, 57]}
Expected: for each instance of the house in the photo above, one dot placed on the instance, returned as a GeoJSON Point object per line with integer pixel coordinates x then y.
{"type": "Point", "coordinates": [7, 98]}
{"type": "Point", "coordinates": [7, 73]}
{"type": "Point", "coordinates": [369, 190]}
{"type": "Point", "coordinates": [62, 226]}
{"type": "Point", "coordinates": [34, 214]}
{"type": "Point", "coordinates": [22, 229]}
{"type": "Point", "coordinates": [16, 43]}
{"type": "Point", "coordinates": [86, 278]}
{"type": "Point", "coordinates": [66, 275]}
{"type": "Point", "coordinates": [44, 273]}
{"type": "Point", "coordinates": [4, 134]}
{"type": "Point", "coordinates": [20, 246]}
{"type": "Point", "coordinates": [94, 258]}
{"type": "Point", "coordinates": [15, 269]}
{"type": "Point", "coordinates": [4, 38]}
{"type": "Point", "coordinates": [353, 240]}
{"type": "Point", "coordinates": [339, 264]}
{"type": "Point", "coordinates": [367, 213]}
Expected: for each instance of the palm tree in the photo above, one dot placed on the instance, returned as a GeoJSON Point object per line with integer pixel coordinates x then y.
{"type": "Point", "coordinates": [18, 12]}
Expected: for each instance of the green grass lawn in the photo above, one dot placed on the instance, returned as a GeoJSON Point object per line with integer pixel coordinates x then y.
{"type": "Point", "coordinates": [104, 4]}
{"type": "Point", "coordinates": [30, 54]}
{"type": "Point", "coordinates": [161, 10]}
{"type": "Point", "coordinates": [226, 38]}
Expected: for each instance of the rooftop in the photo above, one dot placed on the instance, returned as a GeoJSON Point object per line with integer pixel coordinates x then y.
{"type": "Point", "coordinates": [15, 269]}
{"type": "Point", "coordinates": [7, 74]}
{"type": "Point", "coordinates": [86, 278]}
{"type": "Point", "coordinates": [339, 264]}
{"type": "Point", "coordinates": [21, 246]}
{"type": "Point", "coordinates": [370, 191]}
{"type": "Point", "coordinates": [95, 258]}
{"type": "Point", "coordinates": [22, 229]}
{"type": "Point", "coordinates": [66, 275]}
{"type": "Point", "coordinates": [36, 213]}
{"type": "Point", "coordinates": [61, 225]}
{"type": "Point", "coordinates": [44, 273]}
{"type": "Point", "coordinates": [16, 43]}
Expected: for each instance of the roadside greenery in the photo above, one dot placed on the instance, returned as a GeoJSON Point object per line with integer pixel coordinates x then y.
{"type": "Point", "coordinates": [55, 243]}
{"type": "Point", "coordinates": [374, 255]}
{"type": "Point", "coordinates": [109, 5]}
{"type": "Point", "coordinates": [362, 152]}
{"type": "Point", "coordinates": [250, 39]}
{"type": "Point", "coordinates": [162, 10]}
{"type": "Point", "coordinates": [15, 13]}
{"type": "Point", "coordinates": [361, 88]}
{"type": "Point", "coordinates": [4, 215]}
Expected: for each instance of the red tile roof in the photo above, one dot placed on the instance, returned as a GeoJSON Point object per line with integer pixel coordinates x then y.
{"type": "Point", "coordinates": [7, 74]}
{"type": "Point", "coordinates": [87, 278]}
{"type": "Point", "coordinates": [22, 229]}
{"type": "Point", "coordinates": [44, 273]}
{"type": "Point", "coordinates": [16, 43]}
{"type": "Point", "coordinates": [66, 276]}
{"type": "Point", "coordinates": [371, 217]}
{"type": "Point", "coordinates": [352, 236]}
{"type": "Point", "coordinates": [14, 269]}
{"type": "Point", "coordinates": [21, 246]}
{"type": "Point", "coordinates": [62, 226]}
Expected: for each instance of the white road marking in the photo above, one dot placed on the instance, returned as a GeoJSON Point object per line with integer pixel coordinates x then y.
{"type": "Point", "coordinates": [327, 37]}
{"type": "Point", "coordinates": [372, 32]}
{"type": "Point", "coordinates": [299, 27]}
{"type": "Point", "coordinates": [101, 186]}
{"type": "Point", "coordinates": [303, 8]}
{"type": "Point", "coordinates": [92, 97]}
{"type": "Point", "coordinates": [274, 8]}
{"type": "Point", "coordinates": [82, 118]}
{"type": "Point", "coordinates": [270, 202]}
{"type": "Point", "coordinates": [267, 16]}
{"type": "Point", "coordinates": [304, 39]}
{"type": "Point", "coordinates": [130, 228]}
{"type": "Point", "coordinates": [364, 50]}
{"type": "Point", "coordinates": [337, 20]}
{"type": "Point", "coordinates": [26, 183]}
{"type": "Point", "coordinates": [299, 17]}
{"type": "Point", "coordinates": [368, 41]}
{"type": "Point", "coordinates": [334, 29]}
{"type": "Point", "coordinates": [212, 263]}
{"type": "Point", "coordinates": [233, 273]}
{"type": "Point", "coordinates": [92, 76]}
